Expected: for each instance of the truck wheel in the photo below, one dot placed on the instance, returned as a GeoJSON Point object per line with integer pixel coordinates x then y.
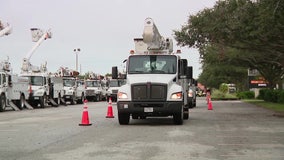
{"type": "Point", "coordinates": [178, 118]}
{"type": "Point", "coordinates": [21, 102]}
{"type": "Point", "coordinates": [43, 101]}
{"type": "Point", "coordinates": [123, 119]}
{"type": "Point", "coordinates": [58, 100]}
{"type": "Point", "coordinates": [185, 113]}
{"type": "Point", "coordinates": [2, 103]}
{"type": "Point", "coordinates": [98, 98]}
{"type": "Point", "coordinates": [82, 99]}
{"type": "Point", "coordinates": [73, 100]}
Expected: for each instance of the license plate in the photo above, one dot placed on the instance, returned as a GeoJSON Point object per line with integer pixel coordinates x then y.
{"type": "Point", "coordinates": [67, 96]}
{"type": "Point", "coordinates": [36, 97]}
{"type": "Point", "coordinates": [148, 109]}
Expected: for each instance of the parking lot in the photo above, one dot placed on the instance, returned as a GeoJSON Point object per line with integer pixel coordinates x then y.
{"type": "Point", "coordinates": [233, 130]}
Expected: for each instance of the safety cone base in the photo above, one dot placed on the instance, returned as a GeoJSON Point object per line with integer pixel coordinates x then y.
{"type": "Point", "coordinates": [109, 116]}
{"type": "Point", "coordinates": [85, 124]}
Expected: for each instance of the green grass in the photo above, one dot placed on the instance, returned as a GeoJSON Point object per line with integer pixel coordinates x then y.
{"type": "Point", "coordinates": [278, 107]}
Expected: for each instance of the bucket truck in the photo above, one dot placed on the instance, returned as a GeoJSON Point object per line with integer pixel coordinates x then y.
{"type": "Point", "coordinates": [44, 87]}
{"type": "Point", "coordinates": [156, 80]}
{"type": "Point", "coordinates": [74, 88]}
{"type": "Point", "coordinates": [13, 89]}
{"type": "Point", "coordinates": [95, 88]}
{"type": "Point", "coordinates": [5, 29]}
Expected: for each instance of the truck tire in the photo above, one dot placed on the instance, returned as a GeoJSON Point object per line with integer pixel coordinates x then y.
{"type": "Point", "coordinates": [123, 118]}
{"type": "Point", "coordinates": [185, 114]}
{"type": "Point", "coordinates": [178, 118]}
{"type": "Point", "coordinates": [81, 100]}
{"type": "Point", "coordinates": [58, 99]}
{"type": "Point", "coordinates": [21, 102]}
{"type": "Point", "coordinates": [73, 99]}
{"type": "Point", "coordinates": [43, 101]}
{"type": "Point", "coordinates": [98, 98]}
{"type": "Point", "coordinates": [2, 103]}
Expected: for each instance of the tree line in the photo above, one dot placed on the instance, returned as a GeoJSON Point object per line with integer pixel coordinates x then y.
{"type": "Point", "coordinates": [236, 35]}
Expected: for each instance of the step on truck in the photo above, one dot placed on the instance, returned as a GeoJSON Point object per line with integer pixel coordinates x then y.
{"type": "Point", "coordinates": [156, 80]}
{"type": "Point", "coordinates": [13, 89]}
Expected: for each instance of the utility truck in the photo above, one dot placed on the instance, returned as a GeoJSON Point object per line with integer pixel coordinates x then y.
{"type": "Point", "coordinates": [44, 87]}
{"type": "Point", "coordinates": [95, 88]}
{"type": "Point", "coordinates": [113, 87]}
{"type": "Point", "coordinates": [192, 93]}
{"type": "Point", "coordinates": [156, 80]}
{"type": "Point", "coordinates": [74, 88]}
{"type": "Point", "coordinates": [13, 89]}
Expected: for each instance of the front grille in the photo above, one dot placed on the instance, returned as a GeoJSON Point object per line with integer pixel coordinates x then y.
{"type": "Point", "coordinates": [149, 92]}
{"type": "Point", "coordinates": [90, 91]}
{"type": "Point", "coordinates": [114, 91]}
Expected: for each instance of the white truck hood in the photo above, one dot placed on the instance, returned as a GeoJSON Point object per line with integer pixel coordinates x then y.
{"type": "Point", "coordinates": [153, 78]}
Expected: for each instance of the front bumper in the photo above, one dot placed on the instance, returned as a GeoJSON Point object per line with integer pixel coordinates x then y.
{"type": "Point", "coordinates": [150, 108]}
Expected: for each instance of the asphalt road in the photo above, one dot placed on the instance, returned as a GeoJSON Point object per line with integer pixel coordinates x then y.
{"type": "Point", "coordinates": [233, 130]}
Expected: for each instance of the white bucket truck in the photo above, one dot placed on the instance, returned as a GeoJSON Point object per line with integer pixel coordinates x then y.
{"type": "Point", "coordinates": [13, 89]}
{"type": "Point", "coordinates": [74, 88]}
{"type": "Point", "coordinates": [156, 80]}
{"type": "Point", "coordinates": [44, 87]}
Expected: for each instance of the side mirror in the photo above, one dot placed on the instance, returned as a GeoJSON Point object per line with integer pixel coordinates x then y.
{"type": "Point", "coordinates": [114, 73]}
{"type": "Point", "coordinates": [182, 64]}
{"type": "Point", "coordinates": [189, 72]}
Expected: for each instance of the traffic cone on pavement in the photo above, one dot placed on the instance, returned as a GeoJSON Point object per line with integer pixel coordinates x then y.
{"type": "Point", "coordinates": [109, 109]}
{"type": "Point", "coordinates": [85, 116]}
{"type": "Point", "coordinates": [210, 107]}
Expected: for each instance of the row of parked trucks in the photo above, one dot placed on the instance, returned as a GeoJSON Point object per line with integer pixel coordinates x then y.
{"type": "Point", "coordinates": [36, 87]}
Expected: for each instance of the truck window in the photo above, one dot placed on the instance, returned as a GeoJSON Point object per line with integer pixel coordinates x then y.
{"type": "Point", "coordinates": [69, 82]}
{"type": "Point", "coordinates": [152, 64]}
{"type": "Point", "coordinates": [36, 80]}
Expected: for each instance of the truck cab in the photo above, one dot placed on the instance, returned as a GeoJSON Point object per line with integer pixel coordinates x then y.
{"type": "Point", "coordinates": [156, 80]}
{"type": "Point", "coordinates": [94, 90]}
{"type": "Point", "coordinates": [74, 90]}
{"type": "Point", "coordinates": [113, 87]}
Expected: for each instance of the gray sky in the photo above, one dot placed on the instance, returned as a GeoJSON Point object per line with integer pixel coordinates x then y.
{"type": "Point", "coordinates": [102, 29]}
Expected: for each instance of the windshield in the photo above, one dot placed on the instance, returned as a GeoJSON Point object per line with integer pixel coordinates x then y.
{"type": "Point", "coordinates": [92, 83]}
{"type": "Point", "coordinates": [152, 64]}
{"type": "Point", "coordinates": [36, 80]}
{"type": "Point", "coordinates": [68, 82]}
{"type": "Point", "coordinates": [113, 84]}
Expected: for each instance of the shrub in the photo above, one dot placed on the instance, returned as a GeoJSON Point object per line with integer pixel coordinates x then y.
{"type": "Point", "coordinates": [276, 96]}
{"type": "Point", "coordinates": [246, 95]}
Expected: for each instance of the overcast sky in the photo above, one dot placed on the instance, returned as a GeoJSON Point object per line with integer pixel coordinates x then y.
{"type": "Point", "coordinates": [102, 29]}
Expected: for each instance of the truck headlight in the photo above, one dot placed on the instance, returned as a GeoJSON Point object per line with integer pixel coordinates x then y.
{"type": "Point", "coordinates": [177, 95]}
{"type": "Point", "coordinates": [122, 95]}
{"type": "Point", "coordinates": [190, 93]}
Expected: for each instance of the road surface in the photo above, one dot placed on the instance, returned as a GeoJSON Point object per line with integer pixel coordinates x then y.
{"type": "Point", "coordinates": [233, 130]}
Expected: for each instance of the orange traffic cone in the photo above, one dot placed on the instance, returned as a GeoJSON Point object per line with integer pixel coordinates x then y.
{"type": "Point", "coordinates": [210, 107]}
{"type": "Point", "coordinates": [109, 109]}
{"type": "Point", "coordinates": [85, 116]}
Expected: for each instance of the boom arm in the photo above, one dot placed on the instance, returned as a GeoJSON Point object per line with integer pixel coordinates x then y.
{"type": "Point", "coordinates": [38, 37]}
{"type": "Point", "coordinates": [153, 39]}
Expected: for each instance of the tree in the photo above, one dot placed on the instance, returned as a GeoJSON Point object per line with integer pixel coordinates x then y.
{"type": "Point", "coordinates": [255, 29]}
